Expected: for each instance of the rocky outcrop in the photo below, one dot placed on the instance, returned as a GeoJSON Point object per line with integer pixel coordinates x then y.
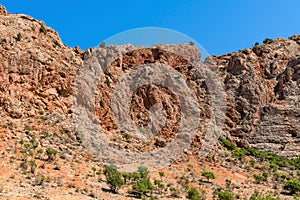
{"type": "Point", "coordinates": [263, 91]}
{"type": "Point", "coordinates": [145, 98]}
{"type": "Point", "coordinates": [37, 73]}
{"type": "Point", "coordinates": [3, 11]}
{"type": "Point", "coordinates": [37, 69]}
{"type": "Point", "coordinates": [39, 96]}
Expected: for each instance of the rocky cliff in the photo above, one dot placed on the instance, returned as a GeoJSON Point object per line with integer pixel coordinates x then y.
{"type": "Point", "coordinates": [263, 89]}
{"type": "Point", "coordinates": [37, 88]}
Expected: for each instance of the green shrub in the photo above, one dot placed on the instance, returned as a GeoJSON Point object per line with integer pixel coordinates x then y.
{"type": "Point", "coordinates": [258, 178]}
{"type": "Point", "coordinates": [274, 166]}
{"type": "Point", "coordinates": [252, 161]}
{"type": "Point", "coordinates": [41, 112]}
{"type": "Point", "coordinates": [265, 176]}
{"type": "Point", "coordinates": [263, 155]}
{"type": "Point", "coordinates": [40, 151]}
{"type": "Point", "coordinates": [51, 153]}
{"type": "Point", "coordinates": [279, 177]}
{"type": "Point", "coordinates": [239, 154]}
{"type": "Point", "coordinates": [113, 177]}
{"type": "Point", "coordinates": [19, 37]}
{"type": "Point", "coordinates": [34, 143]}
{"type": "Point", "coordinates": [292, 185]}
{"type": "Point", "coordinates": [39, 180]}
{"type": "Point", "coordinates": [161, 174]}
{"type": "Point", "coordinates": [142, 186]}
{"type": "Point", "coordinates": [228, 144]}
{"type": "Point", "coordinates": [33, 166]}
{"type": "Point", "coordinates": [225, 195]}
{"type": "Point", "coordinates": [135, 176]}
{"type": "Point", "coordinates": [208, 175]}
{"type": "Point", "coordinates": [126, 177]}
{"type": "Point", "coordinates": [102, 104]}
{"type": "Point", "coordinates": [193, 194]}
{"type": "Point", "coordinates": [295, 162]}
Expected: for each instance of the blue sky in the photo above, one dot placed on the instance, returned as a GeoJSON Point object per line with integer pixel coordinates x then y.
{"type": "Point", "coordinates": [219, 26]}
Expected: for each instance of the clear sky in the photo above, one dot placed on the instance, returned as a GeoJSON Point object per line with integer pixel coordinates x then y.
{"type": "Point", "coordinates": [219, 26]}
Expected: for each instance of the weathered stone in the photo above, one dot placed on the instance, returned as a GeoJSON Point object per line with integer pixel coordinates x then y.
{"type": "Point", "coordinates": [263, 87]}
{"type": "Point", "coordinates": [3, 11]}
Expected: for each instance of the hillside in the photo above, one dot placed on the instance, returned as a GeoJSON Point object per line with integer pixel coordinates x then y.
{"type": "Point", "coordinates": [54, 100]}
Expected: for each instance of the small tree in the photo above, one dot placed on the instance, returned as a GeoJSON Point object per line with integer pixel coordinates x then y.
{"type": "Point", "coordinates": [142, 186]}
{"type": "Point", "coordinates": [292, 185]}
{"type": "Point", "coordinates": [94, 170]}
{"type": "Point", "coordinates": [225, 195]}
{"type": "Point", "coordinates": [208, 175]}
{"type": "Point", "coordinates": [126, 177]}
{"type": "Point", "coordinates": [161, 174]}
{"type": "Point", "coordinates": [113, 177]}
{"type": "Point", "coordinates": [193, 194]}
{"type": "Point", "coordinates": [33, 166]}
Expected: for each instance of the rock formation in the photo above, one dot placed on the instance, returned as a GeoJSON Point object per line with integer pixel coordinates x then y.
{"type": "Point", "coordinates": [37, 88]}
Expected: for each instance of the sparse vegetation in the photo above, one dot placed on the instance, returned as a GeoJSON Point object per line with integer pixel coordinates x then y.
{"type": "Point", "coordinates": [192, 43]}
{"type": "Point", "coordinates": [51, 153]}
{"type": "Point", "coordinates": [37, 127]}
{"type": "Point", "coordinates": [293, 186]}
{"type": "Point", "coordinates": [142, 186]}
{"type": "Point", "coordinates": [43, 29]}
{"type": "Point", "coordinates": [208, 175]}
{"type": "Point", "coordinates": [102, 104]}
{"type": "Point", "coordinates": [56, 43]}
{"type": "Point", "coordinates": [267, 41]}
{"type": "Point", "coordinates": [103, 44]}
{"type": "Point", "coordinates": [228, 144]}
{"type": "Point", "coordinates": [19, 37]}
{"type": "Point", "coordinates": [194, 194]}
{"type": "Point", "coordinates": [113, 177]}
{"type": "Point", "coordinates": [225, 194]}
{"type": "Point", "coordinates": [161, 174]}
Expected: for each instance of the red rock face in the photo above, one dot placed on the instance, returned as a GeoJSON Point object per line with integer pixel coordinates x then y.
{"type": "Point", "coordinates": [149, 95]}
{"type": "Point", "coordinates": [262, 83]}
{"type": "Point", "coordinates": [37, 70]}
